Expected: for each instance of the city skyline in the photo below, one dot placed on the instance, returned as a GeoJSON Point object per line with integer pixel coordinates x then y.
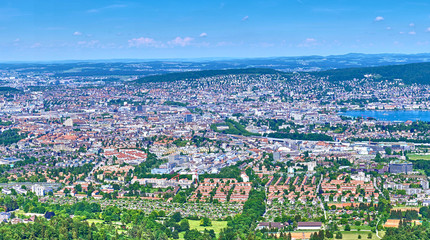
{"type": "Point", "coordinates": [80, 30]}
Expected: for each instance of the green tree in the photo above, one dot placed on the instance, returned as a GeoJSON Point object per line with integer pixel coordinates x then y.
{"type": "Point", "coordinates": [205, 222]}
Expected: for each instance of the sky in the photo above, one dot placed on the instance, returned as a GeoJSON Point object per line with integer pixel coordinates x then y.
{"type": "Point", "coordinates": [46, 30]}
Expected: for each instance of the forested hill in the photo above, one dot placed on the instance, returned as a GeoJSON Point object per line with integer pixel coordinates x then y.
{"type": "Point", "coordinates": [8, 89]}
{"type": "Point", "coordinates": [191, 75]}
{"type": "Point", "coordinates": [409, 73]}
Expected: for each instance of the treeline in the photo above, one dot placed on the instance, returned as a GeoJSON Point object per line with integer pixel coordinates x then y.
{"type": "Point", "coordinates": [423, 165]}
{"type": "Point", "coordinates": [172, 77]}
{"type": "Point", "coordinates": [226, 172]}
{"type": "Point", "coordinates": [408, 215]}
{"type": "Point", "coordinates": [11, 136]}
{"type": "Point", "coordinates": [406, 231]}
{"type": "Point", "coordinates": [410, 73]}
{"type": "Point", "coordinates": [301, 136]}
{"type": "Point", "coordinates": [8, 90]}
{"type": "Point", "coordinates": [7, 123]}
{"type": "Point", "coordinates": [56, 228]}
{"type": "Point", "coordinates": [402, 139]}
{"type": "Point", "coordinates": [145, 167]}
{"type": "Point", "coordinates": [253, 209]}
{"type": "Point", "coordinates": [173, 103]}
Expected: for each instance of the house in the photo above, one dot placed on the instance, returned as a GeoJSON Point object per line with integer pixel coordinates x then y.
{"type": "Point", "coordinates": [309, 225]}
{"type": "Point", "coordinates": [6, 191]}
{"type": "Point", "coordinates": [4, 216]}
{"type": "Point", "coordinates": [40, 190]}
{"type": "Point", "coordinates": [271, 225]}
{"type": "Point", "coordinates": [16, 220]}
{"type": "Point", "coordinates": [426, 203]}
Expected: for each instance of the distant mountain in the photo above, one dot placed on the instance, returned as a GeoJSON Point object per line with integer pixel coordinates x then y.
{"type": "Point", "coordinates": [8, 90]}
{"type": "Point", "coordinates": [410, 73]}
{"type": "Point", "coordinates": [140, 68]}
{"type": "Point", "coordinates": [171, 77]}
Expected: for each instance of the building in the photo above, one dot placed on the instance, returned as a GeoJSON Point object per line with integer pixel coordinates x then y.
{"type": "Point", "coordinates": [309, 225]}
{"type": "Point", "coordinates": [425, 184]}
{"type": "Point", "coordinates": [40, 190]}
{"type": "Point", "coordinates": [400, 167]}
{"type": "Point", "coordinates": [276, 156]}
{"type": "Point", "coordinates": [6, 191]}
{"type": "Point", "coordinates": [4, 216]}
{"type": "Point", "coordinates": [188, 118]}
{"type": "Point", "coordinates": [68, 122]}
{"type": "Point", "coordinates": [271, 225]}
{"type": "Point", "coordinates": [9, 161]}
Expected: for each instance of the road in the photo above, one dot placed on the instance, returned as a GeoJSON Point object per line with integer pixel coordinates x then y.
{"type": "Point", "coordinates": [319, 199]}
{"type": "Point", "coordinates": [377, 233]}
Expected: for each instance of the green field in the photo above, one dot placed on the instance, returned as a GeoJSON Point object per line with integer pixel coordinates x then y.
{"type": "Point", "coordinates": [354, 235]}
{"type": "Point", "coordinates": [216, 226]}
{"type": "Point", "coordinates": [363, 227]}
{"type": "Point", "coordinates": [418, 157]}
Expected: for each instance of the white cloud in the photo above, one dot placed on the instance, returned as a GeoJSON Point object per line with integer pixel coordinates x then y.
{"type": "Point", "coordinates": [203, 34]}
{"type": "Point", "coordinates": [143, 42]}
{"type": "Point", "coordinates": [113, 6]}
{"type": "Point", "coordinates": [379, 18]}
{"type": "Point", "coordinates": [224, 44]}
{"type": "Point", "coordinates": [89, 44]}
{"type": "Point", "coordinates": [412, 33]}
{"type": "Point", "coordinates": [36, 45]}
{"type": "Point", "coordinates": [245, 18]}
{"type": "Point", "coordinates": [308, 42]}
{"type": "Point", "coordinates": [178, 41]}
{"type": "Point", "coordinates": [77, 34]}
{"type": "Point", "coordinates": [411, 24]}
{"type": "Point", "coordinates": [16, 42]}
{"type": "Point", "coordinates": [428, 29]}
{"type": "Point", "coordinates": [389, 28]}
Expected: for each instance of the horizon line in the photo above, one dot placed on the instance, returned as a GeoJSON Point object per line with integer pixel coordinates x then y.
{"type": "Point", "coordinates": [196, 59]}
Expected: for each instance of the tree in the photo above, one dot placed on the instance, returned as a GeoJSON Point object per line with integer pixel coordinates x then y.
{"type": "Point", "coordinates": [176, 217]}
{"type": "Point", "coordinates": [347, 227]}
{"type": "Point", "coordinates": [205, 222]}
{"type": "Point", "coordinates": [175, 234]}
{"type": "Point", "coordinates": [192, 235]}
{"type": "Point", "coordinates": [184, 225]}
{"type": "Point", "coordinates": [339, 235]}
{"type": "Point", "coordinates": [227, 234]}
{"type": "Point", "coordinates": [369, 236]}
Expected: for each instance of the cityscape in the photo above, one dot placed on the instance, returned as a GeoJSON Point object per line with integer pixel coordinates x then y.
{"type": "Point", "coordinates": [171, 145]}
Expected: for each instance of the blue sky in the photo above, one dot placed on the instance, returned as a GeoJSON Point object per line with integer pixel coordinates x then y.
{"type": "Point", "coordinates": [33, 30]}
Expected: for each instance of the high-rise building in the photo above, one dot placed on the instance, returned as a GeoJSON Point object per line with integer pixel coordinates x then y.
{"type": "Point", "coordinates": [188, 118]}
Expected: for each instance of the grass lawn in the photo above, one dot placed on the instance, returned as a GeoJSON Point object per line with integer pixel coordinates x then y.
{"type": "Point", "coordinates": [354, 235]}
{"type": "Point", "coordinates": [95, 221]}
{"type": "Point", "coordinates": [362, 227]}
{"type": "Point", "coordinates": [418, 157]}
{"type": "Point", "coordinates": [195, 224]}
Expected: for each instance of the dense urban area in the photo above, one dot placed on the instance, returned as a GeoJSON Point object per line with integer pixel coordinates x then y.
{"type": "Point", "coordinates": [231, 154]}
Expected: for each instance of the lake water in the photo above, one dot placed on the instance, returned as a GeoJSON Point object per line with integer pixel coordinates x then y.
{"type": "Point", "coordinates": [392, 116]}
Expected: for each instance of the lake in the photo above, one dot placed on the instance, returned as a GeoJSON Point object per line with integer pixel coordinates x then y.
{"type": "Point", "coordinates": [392, 116]}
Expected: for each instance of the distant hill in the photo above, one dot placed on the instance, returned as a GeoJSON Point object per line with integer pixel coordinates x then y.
{"type": "Point", "coordinates": [410, 73]}
{"type": "Point", "coordinates": [8, 90]}
{"type": "Point", "coordinates": [191, 75]}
